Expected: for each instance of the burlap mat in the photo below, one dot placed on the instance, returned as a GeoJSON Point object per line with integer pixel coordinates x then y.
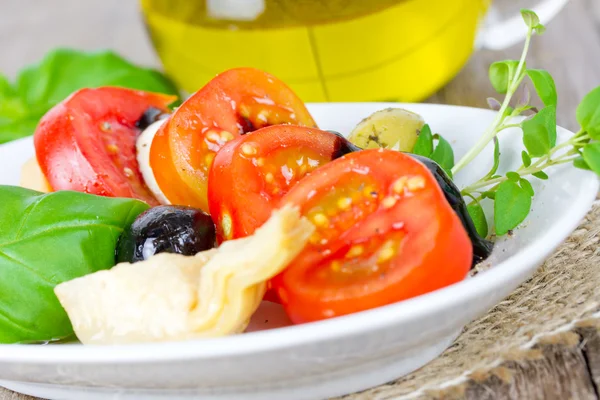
{"type": "Point", "coordinates": [563, 291]}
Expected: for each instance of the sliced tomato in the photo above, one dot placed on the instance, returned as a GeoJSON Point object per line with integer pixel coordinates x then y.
{"type": "Point", "coordinates": [385, 233]}
{"type": "Point", "coordinates": [87, 142]}
{"type": "Point", "coordinates": [235, 102]}
{"type": "Point", "coordinates": [252, 173]}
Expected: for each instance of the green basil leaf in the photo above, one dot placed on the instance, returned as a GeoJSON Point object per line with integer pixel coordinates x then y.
{"type": "Point", "coordinates": [540, 175]}
{"type": "Point", "coordinates": [544, 86]}
{"type": "Point", "coordinates": [526, 159]}
{"type": "Point", "coordinates": [530, 18]}
{"type": "Point", "coordinates": [478, 217]}
{"type": "Point", "coordinates": [39, 87]}
{"type": "Point", "coordinates": [47, 239]}
{"type": "Point", "coordinates": [443, 154]}
{"type": "Point", "coordinates": [513, 176]}
{"type": "Point", "coordinates": [588, 113]}
{"type": "Point", "coordinates": [580, 163]}
{"type": "Point", "coordinates": [591, 155]}
{"type": "Point", "coordinates": [501, 73]}
{"type": "Point", "coordinates": [539, 132]}
{"type": "Point", "coordinates": [511, 206]}
{"type": "Point", "coordinates": [526, 185]}
{"type": "Point", "coordinates": [424, 144]}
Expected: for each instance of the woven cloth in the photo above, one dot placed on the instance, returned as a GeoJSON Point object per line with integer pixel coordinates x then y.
{"type": "Point", "coordinates": [562, 292]}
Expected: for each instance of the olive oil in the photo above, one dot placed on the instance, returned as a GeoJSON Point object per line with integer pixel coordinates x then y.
{"type": "Point", "coordinates": [326, 50]}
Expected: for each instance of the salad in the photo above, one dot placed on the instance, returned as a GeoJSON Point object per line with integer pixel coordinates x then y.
{"type": "Point", "coordinates": [163, 221]}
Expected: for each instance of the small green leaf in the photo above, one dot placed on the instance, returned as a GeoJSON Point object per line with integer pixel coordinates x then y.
{"type": "Point", "coordinates": [501, 73]}
{"type": "Point", "coordinates": [580, 163]}
{"type": "Point", "coordinates": [588, 113]}
{"type": "Point", "coordinates": [489, 195]}
{"type": "Point", "coordinates": [591, 155]}
{"type": "Point", "coordinates": [539, 132]}
{"type": "Point", "coordinates": [424, 144]}
{"type": "Point", "coordinates": [511, 206]}
{"type": "Point", "coordinates": [526, 185]}
{"type": "Point", "coordinates": [513, 176]}
{"type": "Point", "coordinates": [544, 86]}
{"type": "Point", "coordinates": [539, 29]}
{"type": "Point", "coordinates": [526, 159]}
{"type": "Point", "coordinates": [496, 159]}
{"type": "Point", "coordinates": [540, 175]}
{"type": "Point", "coordinates": [478, 217]}
{"type": "Point", "coordinates": [530, 18]}
{"type": "Point", "coordinates": [443, 154]}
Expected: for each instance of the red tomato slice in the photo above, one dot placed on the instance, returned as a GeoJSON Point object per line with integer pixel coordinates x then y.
{"type": "Point", "coordinates": [385, 233]}
{"type": "Point", "coordinates": [87, 142]}
{"type": "Point", "coordinates": [233, 103]}
{"type": "Point", "coordinates": [250, 174]}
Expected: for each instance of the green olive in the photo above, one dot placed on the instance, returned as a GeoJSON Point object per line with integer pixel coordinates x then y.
{"type": "Point", "coordinates": [394, 128]}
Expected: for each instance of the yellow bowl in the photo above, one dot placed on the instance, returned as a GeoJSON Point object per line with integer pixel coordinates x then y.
{"type": "Point", "coordinates": [405, 51]}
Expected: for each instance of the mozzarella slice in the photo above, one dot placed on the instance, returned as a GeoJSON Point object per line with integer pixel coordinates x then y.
{"type": "Point", "coordinates": [33, 178]}
{"type": "Point", "coordinates": [174, 297]}
{"type": "Point", "coordinates": [143, 144]}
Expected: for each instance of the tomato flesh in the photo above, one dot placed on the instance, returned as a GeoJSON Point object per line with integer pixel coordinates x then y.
{"type": "Point", "coordinates": [384, 233]}
{"type": "Point", "coordinates": [250, 174]}
{"type": "Point", "coordinates": [87, 142]}
{"type": "Point", "coordinates": [235, 102]}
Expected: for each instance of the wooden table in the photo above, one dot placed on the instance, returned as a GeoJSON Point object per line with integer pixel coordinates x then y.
{"type": "Point", "coordinates": [570, 50]}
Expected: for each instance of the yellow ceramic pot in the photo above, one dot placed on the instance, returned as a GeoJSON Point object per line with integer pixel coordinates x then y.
{"type": "Point", "coordinates": [327, 50]}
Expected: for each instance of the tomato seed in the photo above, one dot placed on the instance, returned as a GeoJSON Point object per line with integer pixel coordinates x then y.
{"type": "Point", "coordinates": [355, 251]}
{"type": "Point", "coordinates": [213, 136]}
{"type": "Point", "coordinates": [248, 149]}
{"type": "Point", "coordinates": [399, 185]}
{"type": "Point", "coordinates": [260, 162]}
{"type": "Point", "coordinates": [388, 202]}
{"type": "Point", "coordinates": [344, 203]}
{"type": "Point", "coordinates": [416, 183]}
{"type": "Point", "coordinates": [128, 172]}
{"type": "Point", "coordinates": [269, 178]}
{"type": "Point", "coordinates": [321, 220]}
{"type": "Point", "coordinates": [386, 253]}
{"type": "Point", "coordinates": [112, 148]}
{"type": "Point", "coordinates": [226, 136]}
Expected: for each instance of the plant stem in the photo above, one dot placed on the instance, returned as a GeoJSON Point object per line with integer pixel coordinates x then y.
{"type": "Point", "coordinates": [493, 128]}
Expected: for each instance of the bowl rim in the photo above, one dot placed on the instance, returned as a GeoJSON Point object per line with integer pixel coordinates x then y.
{"type": "Point", "coordinates": [343, 326]}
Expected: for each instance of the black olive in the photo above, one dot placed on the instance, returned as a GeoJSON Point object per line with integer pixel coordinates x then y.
{"type": "Point", "coordinates": [150, 116]}
{"type": "Point", "coordinates": [166, 229]}
{"type": "Point", "coordinates": [343, 146]}
{"type": "Point", "coordinates": [482, 248]}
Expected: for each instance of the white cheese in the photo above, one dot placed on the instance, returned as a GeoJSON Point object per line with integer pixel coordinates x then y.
{"type": "Point", "coordinates": [143, 144]}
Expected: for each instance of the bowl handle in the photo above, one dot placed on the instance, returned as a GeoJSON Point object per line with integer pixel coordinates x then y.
{"type": "Point", "coordinates": [499, 35]}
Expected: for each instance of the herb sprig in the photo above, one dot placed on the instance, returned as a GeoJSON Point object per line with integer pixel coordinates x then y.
{"type": "Point", "coordinates": [512, 192]}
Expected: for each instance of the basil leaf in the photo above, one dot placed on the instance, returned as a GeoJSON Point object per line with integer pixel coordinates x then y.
{"type": "Point", "coordinates": [501, 73]}
{"type": "Point", "coordinates": [47, 239]}
{"type": "Point", "coordinates": [443, 154]}
{"type": "Point", "coordinates": [478, 217]}
{"type": "Point", "coordinates": [511, 206]}
{"type": "Point", "coordinates": [526, 159]}
{"type": "Point", "coordinates": [591, 155]}
{"type": "Point", "coordinates": [539, 132]}
{"type": "Point", "coordinates": [544, 86]}
{"type": "Point", "coordinates": [424, 144]}
{"type": "Point", "coordinates": [39, 87]}
{"type": "Point", "coordinates": [588, 113]}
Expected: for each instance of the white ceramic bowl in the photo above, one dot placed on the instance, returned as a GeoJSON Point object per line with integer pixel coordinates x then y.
{"type": "Point", "coordinates": [326, 358]}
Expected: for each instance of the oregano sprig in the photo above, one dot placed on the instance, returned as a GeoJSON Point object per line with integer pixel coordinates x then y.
{"type": "Point", "coordinates": [512, 192]}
